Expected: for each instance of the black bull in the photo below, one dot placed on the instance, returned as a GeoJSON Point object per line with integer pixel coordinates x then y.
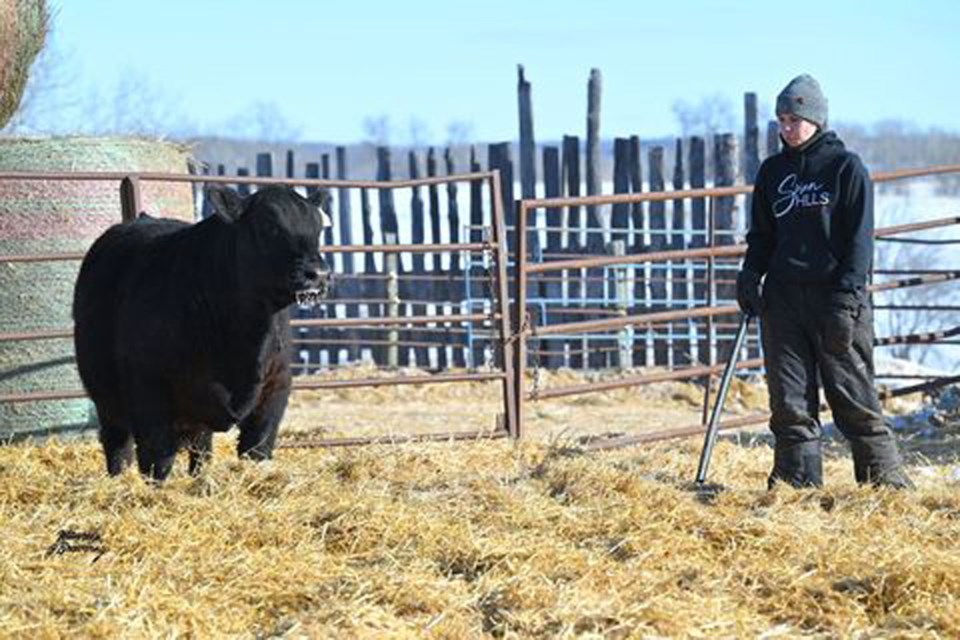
{"type": "Point", "coordinates": [182, 330]}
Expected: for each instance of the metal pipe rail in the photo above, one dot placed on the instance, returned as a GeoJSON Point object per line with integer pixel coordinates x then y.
{"type": "Point", "coordinates": [917, 338]}
{"type": "Point", "coordinates": [408, 248]}
{"type": "Point", "coordinates": [745, 421]}
{"type": "Point", "coordinates": [288, 442]}
{"type": "Point", "coordinates": [438, 378]}
{"type": "Point", "coordinates": [397, 321]}
{"type": "Point", "coordinates": [735, 250]}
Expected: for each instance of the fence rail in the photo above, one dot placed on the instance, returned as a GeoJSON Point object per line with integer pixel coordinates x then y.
{"type": "Point", "coordinates": [589, 292]}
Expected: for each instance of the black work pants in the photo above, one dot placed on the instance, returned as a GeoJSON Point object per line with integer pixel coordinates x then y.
{"type": "Point", "coordinates": [798, 359]}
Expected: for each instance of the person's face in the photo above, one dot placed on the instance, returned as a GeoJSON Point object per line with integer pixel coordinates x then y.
{"type": "Point", "coordinates": [795, 130]}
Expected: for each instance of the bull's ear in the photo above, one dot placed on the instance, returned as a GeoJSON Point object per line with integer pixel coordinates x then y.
{"type": "Point", "coordinates": [226, 203]}
{"type": "Point", "coordinates": [322, 199]}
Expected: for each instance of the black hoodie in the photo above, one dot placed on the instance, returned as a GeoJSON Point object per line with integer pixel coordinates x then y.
{"type": "Point", "coordinates": [812, 217]}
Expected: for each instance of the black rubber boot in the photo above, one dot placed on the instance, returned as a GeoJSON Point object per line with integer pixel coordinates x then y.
{"type": "Point", "coordinates": [876, 461]}
{"type": "Point", "coordinates": [797, 464]}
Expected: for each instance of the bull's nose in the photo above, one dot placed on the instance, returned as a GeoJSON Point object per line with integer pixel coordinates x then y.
{"type": "Point", "coordinates": [316, 278]}
{"type": "Point", "coordinates": [315, 274]}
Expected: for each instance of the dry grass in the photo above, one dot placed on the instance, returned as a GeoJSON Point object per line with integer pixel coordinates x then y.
{"type": "Point", "coordinates": [470, 540]}
{"type": "Point", "coordinates": [462, 407]}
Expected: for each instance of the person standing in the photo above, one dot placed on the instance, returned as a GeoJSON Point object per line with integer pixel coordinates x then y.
{"type": "Point", "coordinates": [809, 253]}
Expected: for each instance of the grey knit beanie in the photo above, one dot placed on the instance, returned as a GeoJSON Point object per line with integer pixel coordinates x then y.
{"type": "Point", "coordinates": [802, 97]}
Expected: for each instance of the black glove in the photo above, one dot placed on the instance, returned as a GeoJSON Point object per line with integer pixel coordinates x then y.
{"type": "Point", "coordinates": [748, 292]}
{"type": "Point", "coordinates": [842, 310]}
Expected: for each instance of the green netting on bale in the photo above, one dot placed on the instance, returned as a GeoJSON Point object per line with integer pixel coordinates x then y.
{"type": "Point", "coordinates": [63, 216]}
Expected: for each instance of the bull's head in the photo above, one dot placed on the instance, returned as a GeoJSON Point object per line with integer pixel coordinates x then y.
{"type": "Point", "coordinates": [278, 233]}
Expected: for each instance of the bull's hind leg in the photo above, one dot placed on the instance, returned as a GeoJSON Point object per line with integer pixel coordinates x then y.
{"type": "Point", "coordinates": [258, 431]}
{"type": "Point", "coordinates": [200, 448]}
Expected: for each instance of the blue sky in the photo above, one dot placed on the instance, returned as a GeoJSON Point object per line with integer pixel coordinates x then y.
{"type": "Point", "coordinates": [318, 70]}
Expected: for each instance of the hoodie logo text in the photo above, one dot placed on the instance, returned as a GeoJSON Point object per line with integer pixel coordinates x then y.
{"type": "Point", "coordinates": [798, 195]}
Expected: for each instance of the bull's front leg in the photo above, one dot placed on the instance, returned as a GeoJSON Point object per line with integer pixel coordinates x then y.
{"type": "Point", "coordinates": [258, 431]}
{"type": "Point", "coordinates": [156, 449]}
{"type": "Point", "coordinates": [154, 432]}
{"type": "Point", "coordinates": [117, 442]}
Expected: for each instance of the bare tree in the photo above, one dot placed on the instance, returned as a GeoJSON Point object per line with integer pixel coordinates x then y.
{"type": "Point", "coordinates": [419, 132]}
{"type": "Point", "coordinates": [264, 122]}
{"type": "Point", "coordinates": [459, 132]}
{"type": "Point", "coordinates": [709, 115]}
{"type": "Point", "coordinates": [377, 129]}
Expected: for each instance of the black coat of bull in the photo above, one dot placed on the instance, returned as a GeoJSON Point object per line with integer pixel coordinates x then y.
{"type": "Point", "coordinates": [182, 330]}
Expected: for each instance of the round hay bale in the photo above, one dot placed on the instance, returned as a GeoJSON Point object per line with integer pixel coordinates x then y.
{"type": "Point", "coordinates": [23, 31]}
{"type": "Point", "coordinates": [63, 216]}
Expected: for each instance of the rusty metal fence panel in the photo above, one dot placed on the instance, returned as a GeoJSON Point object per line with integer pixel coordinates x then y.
{"type": "Point", "coordinates": [496, 318]}
{"type": "Point", "coordinates": [530, 322]}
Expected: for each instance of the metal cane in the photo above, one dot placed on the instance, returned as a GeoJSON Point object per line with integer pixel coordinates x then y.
{"type": "Point", "coordinates": [713, 426]}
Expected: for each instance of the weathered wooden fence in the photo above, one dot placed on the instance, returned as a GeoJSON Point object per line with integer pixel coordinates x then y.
{"type": "Point", "coordinates": [414, 283]}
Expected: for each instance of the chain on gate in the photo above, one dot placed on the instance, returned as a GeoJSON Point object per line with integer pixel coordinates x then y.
{"type": "Point", "coordinates": [523, 328]}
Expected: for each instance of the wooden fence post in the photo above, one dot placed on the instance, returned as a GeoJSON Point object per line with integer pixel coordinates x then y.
{"type": "Point", "coordinates": [498, 158]}
{"type": "Point", "coordinates": [244, 188]}
{"type": "Point", "coordinates": [725, 157]}
{"type": "Point", "coordinates": [596, 245]}
{"type": "Point", "coordinates": [638, 245]}
{"type": "Point", "coordinates": [419, 289]}
{"type": "Point", "coordinates": [476, 200]}
{"type": "Point", "coordinates": [528, 163]}
{"type": "Point", "coordinates": [725, 173]}
{"type": "Point", "coordinates": [658, 241]}
{"type": "Point", "coordinates": [593, 141]}
{"type": "Point", "coordinates": [290, 167]}
{"type": "Point", "coordinates": [698, 238]}
{"type": "Point", "coordinates": [349, 285]}
{"type": "Point", "coordinates": [570, 182]}
{"type": "Point", "coordinates": [681, 272]}
{"type": "Point", "coordinates": [332, 348]}
{"type": "Point", "coordinates": [454, 280]}
{"type": "Point", "coordinates": [344, 219]}
{"type": "Point", "coordinates": [622, 297]}
{"type": "Point", "coordinates": [438, 291]}
{"type": "Point", "coordinates": [751, 138]}
{"type": "Point", "coordinates": [773, 138]}
{"type": "Point", "coordinates": [371, 284]}
{"type": "Point", "coordinates": [130, 201]}
{"type": "Point", "coordinates": [264, 166]}
{"type": "Point", "coordinates": [552, 284]}
{"type": "Point", "coordinates": [479, 284]}
{"type": "Point", "coordinates": [393, 301]}
{"type": "Point", "coordinates": [620, 218]}
{"type": "Point", "coordinates": [313, 349]}
{"type": "Point", "coordinates": [388, 218]}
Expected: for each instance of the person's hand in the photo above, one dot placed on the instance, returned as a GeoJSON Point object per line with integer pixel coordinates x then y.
{"type": "Point", "coordinates": [748, 292]}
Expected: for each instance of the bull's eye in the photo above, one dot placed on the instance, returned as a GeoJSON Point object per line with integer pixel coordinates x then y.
{"type": "Point", "coordinates": [273, 229]}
